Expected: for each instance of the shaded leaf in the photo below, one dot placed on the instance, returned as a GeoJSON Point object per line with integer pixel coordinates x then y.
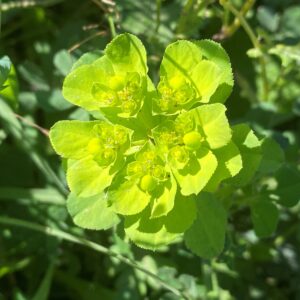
{"type": "Point", "coordinates": [206, 236]}
{"type": "Point", "coordinates": [272, 156]}
{"type": "Point", "coordinates": [196, 174]}
{"type": "Point", "coordinates": [264, 215]}
{"type": "Point", "coordinates": [128, 198]}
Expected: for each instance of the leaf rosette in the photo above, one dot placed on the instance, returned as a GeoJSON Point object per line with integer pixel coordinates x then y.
{"type": "Point", "coordinates": [156, 152]}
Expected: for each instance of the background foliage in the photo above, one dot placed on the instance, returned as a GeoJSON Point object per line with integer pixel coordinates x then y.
{"type": "Point", "coordinates": [43, 255]}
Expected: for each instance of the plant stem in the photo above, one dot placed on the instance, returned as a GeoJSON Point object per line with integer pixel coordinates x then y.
{"type": "Point", "coordinates": [108, 13]}
{"type": "Point", "coordinates": [158, 7]}
{"type": "Point", "coordinates": [27, 4]}
{"type": "Point", "coordinates": [112, 25]}
{"type": "Point", "coordinates": [82, 241]}
{"type": "Point", "coordinates": [227, 5]}
{"type": "Point", "coordinates": [29, 123]}
{"type": "Point", "coordinates": [184, 16]}
{"type": "Point", "coordinates": [229, 30]}
{"type": "Point", "coordinates": [214, 280]}
{"type": "Point", "coordinates": [79, 44]}
{"type": "Point", "coordinates": [210, 280]}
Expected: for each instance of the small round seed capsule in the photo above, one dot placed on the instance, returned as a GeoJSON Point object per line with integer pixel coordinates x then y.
{"type": "Point", "coordinates": [120, 135]}
{"type": "Point", "coordinates": [148, 183]}
{"type": "Point", "coordinates": [192, 140]}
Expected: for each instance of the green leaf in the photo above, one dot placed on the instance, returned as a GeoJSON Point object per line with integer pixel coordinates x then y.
{"type": "Point", "coordinates": [148, 233]}
{"type": "Point", "coordinates": [127, 53]}
{"type": "Point", "coordinates": [206, 236]}
{"type": "Point", "coordinates": [287, 54]}
{"type": "Point", "coordinates": [77, 87]}
{"type": "Point", "coordinates": [5, 66]}
{"type": "Point", "coordinates": [250, 149]}
{"type": "Point", "coordinates": [182, 216]}
{"type": "Point", "coordinates": [86, 178]}
{"type": "Point", "coordinates": [154, 233]}
{"type": "Point", "coordinates": [51, 101]}
{"type": "Point", "coordinates": [164, 198]}
{"type": "Point", "coordinates": [268, 18]}
{"type": "Point", "coordinates": [206, 76]}
{"type": "Point", "coordinates": [180, 58]}
{"type": "Point", "coordinates": [215, 53]}
{"type": "Point", "coordinates": [272, 156]}
{"type": "Point", "coordinates": [71, 138]}
{"type": "Point", "coordinates": [11, 88]}
{"type": "Point", "coordinates": [128, 198]}
{"type": "Point", "coordinates": [45, 195]}
{"type": "Point", "coordinates": [214, 124]}
{"type": "Point", "coordinates": [34, 75]}
{"type": "Point", "coordinates": [229, 164]}
{"type": "Point", "coordinates": [92, 212]}
{"type": "Point", "coordinates": [287, 191]}
{"type": "Point", "coordinates": [264, 215]}
{"type": "Point", "coordinates": [196, 174]}
{"type": "Point", "coordinates": [63, 61]}
{"type": "Point", "coordinates": [87, 59]}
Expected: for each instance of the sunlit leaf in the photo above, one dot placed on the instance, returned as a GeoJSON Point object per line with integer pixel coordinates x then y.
{"type": "Point", "coordinates": [92, 212]}
{"type": "Point", "coordinates": [196, 174]}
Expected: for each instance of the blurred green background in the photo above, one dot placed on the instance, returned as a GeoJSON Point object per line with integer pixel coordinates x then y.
{"type": "Point", "coordinates": [43, 38]}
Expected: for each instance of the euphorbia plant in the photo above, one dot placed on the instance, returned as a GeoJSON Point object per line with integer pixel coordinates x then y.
{"type": "Point", "coordinates": [157, 156]}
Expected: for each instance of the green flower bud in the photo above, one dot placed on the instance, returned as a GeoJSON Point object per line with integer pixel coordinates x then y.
{"type": "Point", "coordinates": [121, 91]}
{"type": "Point", "coordinates": [179, 157]}
{"type": "Point", "coordinates": [106, 157]}
{"type": "Point", "coordinates": [149, 156]}
{"type": "Point", "coordinates": [158, 172]}
{"type": "Point", "coordinates": [174, 94]}
{"type": "Point", "coordinates": [184, 123]}
{"type": "Point", "coordinates": [120, 135]}
{"type": "Point", "coordinates": [180, 154]}
{"type": "Point", "coordinates": [135, 168]}
{"type": "Point", "coordinates": [129, 105]}
{"type": "Point", "coordinates": [104, 95]}
{"type": "Point", "coordinates": [167, 138]}
{"type": "Point", "coordinates": [192, 140]}
{"type": "Point", "coordinates": [103, 131]}
{"type": "Point", "coordinates": [148, 183]}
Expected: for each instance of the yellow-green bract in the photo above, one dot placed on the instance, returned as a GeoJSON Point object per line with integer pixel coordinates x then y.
{"type": "Point", "coordinates": [158, 154]}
